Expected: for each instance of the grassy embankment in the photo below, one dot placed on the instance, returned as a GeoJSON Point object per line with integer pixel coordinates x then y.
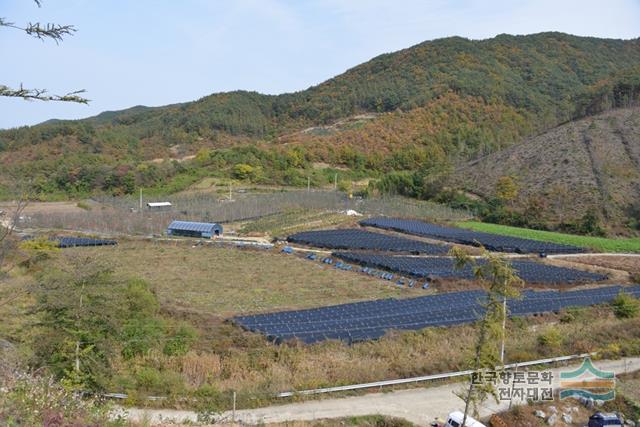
{"type": "Point", "coordinates": [601, 244]}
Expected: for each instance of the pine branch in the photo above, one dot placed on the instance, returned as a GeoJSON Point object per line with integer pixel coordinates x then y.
{"type": "Point", "coordinates": [42, 95]}
{"type": "Point", "coordinates": [55, 32]}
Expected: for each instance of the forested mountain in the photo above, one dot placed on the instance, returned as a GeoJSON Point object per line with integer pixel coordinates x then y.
{"type": "Point", "coordinates": [540, 74]}
{"type": "Point", "coordinates": [426, 107]}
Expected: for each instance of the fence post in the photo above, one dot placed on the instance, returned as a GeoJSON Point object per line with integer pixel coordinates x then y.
{"type": "Point", "coordinates": [233, 413]}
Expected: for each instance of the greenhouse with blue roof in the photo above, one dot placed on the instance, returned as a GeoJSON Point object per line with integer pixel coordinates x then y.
{"type": "Point", "coordinates": [194, 229]}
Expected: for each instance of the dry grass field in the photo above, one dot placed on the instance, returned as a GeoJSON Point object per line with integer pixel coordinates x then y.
{"type": "Point", "coordinates": [223, 281]}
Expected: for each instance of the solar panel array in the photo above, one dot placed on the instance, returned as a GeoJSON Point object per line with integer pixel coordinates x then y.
{"type": "Point", "coordinates": [361, 239]}
{"type": "Point", "coordinates": [492, 242]}
{"type": "Point", "coordinates": [72, 242]}
{"type": "Point", "coordinates": [370, 320]}
{"type": "Point", "coordinates": [529, 271]}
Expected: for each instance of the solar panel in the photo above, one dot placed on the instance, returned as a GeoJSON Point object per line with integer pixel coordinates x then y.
{"type": "Point", "coordinates": [361, 239]}
{"type": "Point", "coordinates": [529, 271]}
{"type": "Point", "coordinates": [492, 242]}
{"type": "Point", "coordinates": [371, 319]}
{"type": "Point", "coordinates": [71, 242]}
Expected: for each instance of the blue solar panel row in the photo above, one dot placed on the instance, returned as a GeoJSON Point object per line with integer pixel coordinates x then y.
{"type": "Point", "coordinates": [362, 239]}
{"type": "Point", "coordinates": [72, 242]}
{"type": "Point", "coordinates": [492, 242]}
{"type": "Point", "coordinates": [529, 271]}
{"type": "Point", "coordinates": [370, 320]}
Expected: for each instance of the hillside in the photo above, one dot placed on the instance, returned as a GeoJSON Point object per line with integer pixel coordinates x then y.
{"type": "Point", "coordinates": [589, 164]}
{"type": "Point", "coordinates": [434, 103]}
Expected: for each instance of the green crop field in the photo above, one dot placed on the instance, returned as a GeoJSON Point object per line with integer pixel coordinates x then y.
{"type": "Point", "coordinates": [602, 244]}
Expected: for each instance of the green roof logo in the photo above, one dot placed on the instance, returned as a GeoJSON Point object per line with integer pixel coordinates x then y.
{"type": "Point", "coordinates": [589, 382]}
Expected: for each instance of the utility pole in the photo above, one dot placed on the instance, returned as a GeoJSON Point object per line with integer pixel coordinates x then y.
{"type": "Point", "coordinates": [504, 328]}
{"type": "Point", "coordinates": [335, 182]}
{"type": "Point", "coordinates": [230, 194]}
{"type": "Point", "coordinates": [140, 207]}
{"type": "Point", "coordinates": [76, 366]}
{"type": "Point", "coordinates": [308, 184]}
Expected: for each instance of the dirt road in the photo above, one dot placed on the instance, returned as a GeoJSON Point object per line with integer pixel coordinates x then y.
{"type": "Point", "coordinates": [419, 406]}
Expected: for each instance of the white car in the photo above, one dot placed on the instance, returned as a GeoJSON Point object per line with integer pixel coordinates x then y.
{"type": "Point", "coordinates": [455, 420]}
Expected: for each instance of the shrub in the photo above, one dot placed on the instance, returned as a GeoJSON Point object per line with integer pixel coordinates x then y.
{"type": "Point", "coordinates": [610, 351]}
{"type": "Point", "coordinates": [209, 403]}
{"type": "Point", "coordinates": [625, 306]}
{"type": "Point", "coordinates": [31, 401]}
{"type": "Point", "coordinates": [550, 339]}
{"type": "Point", "coordinates": [83, 205]}
{"type": "Point", "coordinates": [572, 314]}
{"type": "Point", "coordinates": [148, 378]}
{"type": "Point", "coordinates": [140, 335]}
{"type": "Point", "coordinates": [40, 244]}
{"type": "Point", "coordinates": [179, 343]}
{"type": "Point", "coordinates": [243, 171]}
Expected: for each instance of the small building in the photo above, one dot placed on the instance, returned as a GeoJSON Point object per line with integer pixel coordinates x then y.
{"type": "Point", "coordinates": [205, 230]}
{"type": "Point", "coordinates": [159, 206]}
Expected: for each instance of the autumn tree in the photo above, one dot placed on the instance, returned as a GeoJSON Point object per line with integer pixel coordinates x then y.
{"type": "Point", "coordinates": [506, 189]}
{"type": "Point", "coordinates": [500, 281]}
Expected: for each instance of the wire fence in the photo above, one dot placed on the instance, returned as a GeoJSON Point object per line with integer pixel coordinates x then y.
{"type": "Point", "coordinates": [122, 215]}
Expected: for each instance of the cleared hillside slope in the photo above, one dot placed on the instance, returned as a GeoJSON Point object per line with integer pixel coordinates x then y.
{"type": "Point", "coordinates": [593, 163]}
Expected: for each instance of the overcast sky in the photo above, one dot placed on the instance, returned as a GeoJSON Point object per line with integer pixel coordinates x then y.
{"type": "Point", "coordinates": [134, 52]}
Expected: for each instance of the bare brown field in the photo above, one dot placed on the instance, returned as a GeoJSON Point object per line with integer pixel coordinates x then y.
{"type": "Point", "coordinates": [623, 263]}
{"type": "Point", "coordinates": [48, 207]}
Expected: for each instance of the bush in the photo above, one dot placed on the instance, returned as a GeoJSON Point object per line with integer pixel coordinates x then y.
{"type": "Point", "coordinates": [40, 244]}
{"type": "Point", "coordinates": [625, 306]}
{"type": "Point", "coordinates": [243, 171]}
{"type": "Point", "coordinates": [139, 335]}
{"type": "Point", "coordinates": [33, 401]}
{"type": "Point", "coordinates": [209, 403]}
{"type": "Point", "coordinates": [572, 314]}
{"type": "Point", "coordinates": [550, 339]}
{"type": "Point", "coordinates": [179, 343]}
{"type": "Point", "coordinates": [163, 383]}
{"type": "Point", "coordinates": [83, 205]}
